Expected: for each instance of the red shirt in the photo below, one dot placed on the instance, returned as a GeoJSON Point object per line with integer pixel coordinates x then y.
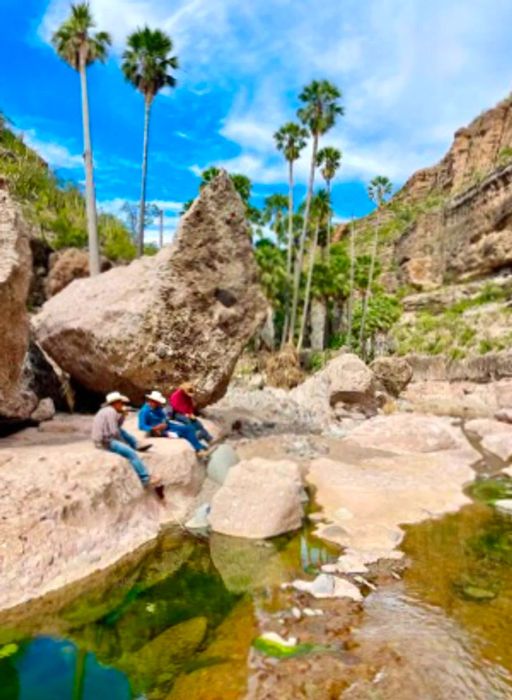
{"type": "Point", "coordinates": [182, 403]}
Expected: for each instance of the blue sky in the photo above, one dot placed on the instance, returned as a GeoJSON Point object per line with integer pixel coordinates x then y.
{"type": "Point", "coordinates": [411, 73]}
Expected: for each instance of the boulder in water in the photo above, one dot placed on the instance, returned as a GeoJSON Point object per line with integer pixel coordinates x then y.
{"type": "Point", "coordinates": [259, 499]}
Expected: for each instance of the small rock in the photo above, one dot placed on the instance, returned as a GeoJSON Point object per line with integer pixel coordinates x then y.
{"type": "Point", "coordinates": [499, 445]}
{"type": "Point", "coordinates": [45, 411]}
{"type": "Point", "coordinates": [199, 521]}
{"type": "Point", "coordinates": [296, 613]}
{"type": "Point", "coordinates": [504, 504]}
{"type": "Point", "coordinates": [220, 462]}
{"type": "Point", "coordinates": [277, 639]}
{"type": "Point", "coordinates": [328, 586]}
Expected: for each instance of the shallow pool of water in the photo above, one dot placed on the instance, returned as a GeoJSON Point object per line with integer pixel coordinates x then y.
{"type": "Point", "coordinates": [147, 627]}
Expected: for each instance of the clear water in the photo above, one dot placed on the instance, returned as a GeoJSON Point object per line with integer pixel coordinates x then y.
{"type": "Point", "coordinates": [150, 626]}
{"type": "Point", "coordinates": [176, 620]}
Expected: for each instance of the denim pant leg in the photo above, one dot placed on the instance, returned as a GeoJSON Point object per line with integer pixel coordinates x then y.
{"type": "Point", "coordinates": [128, 438]}
{"type": "Point", "coordinates": [201, 431]}
{"type": "Point", "coordinates": [187, 432]}
{"type": "Point", "coordinates": [121, 448]}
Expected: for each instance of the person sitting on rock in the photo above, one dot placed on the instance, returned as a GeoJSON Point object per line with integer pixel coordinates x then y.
{"type": "Point", "coordinates": [184, 410]}
{"type": "Point", "coordinates": [154, 421]}
{"type": "Point", "coordinates": [108, 434]}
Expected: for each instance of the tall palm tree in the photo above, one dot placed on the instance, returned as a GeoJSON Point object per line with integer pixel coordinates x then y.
{"type": "Point", "coordinates": [79, 46]}
{"type": "Point", "coordinates": [379, 190]}
{"type": "Point", "coordinates": [320, 212]}
{"type": "Point", "coordinates": [290, 140]}
{"type": "Point", "coordinates": [350, 309]}
{"type": "Point", "coordinates": [147, 64]}
{"type": "Point", "coordinates": [329, 160]}
{"type": "Point", "coordinates": [321, 107]}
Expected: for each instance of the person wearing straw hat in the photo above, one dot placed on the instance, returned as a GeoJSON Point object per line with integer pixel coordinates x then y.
{"type": "Point", "coordinates": [108, 434]}
{"type": "Point", "coordinates": [183, 410]}
{"type": "Point", "coordinates": [154, 421]}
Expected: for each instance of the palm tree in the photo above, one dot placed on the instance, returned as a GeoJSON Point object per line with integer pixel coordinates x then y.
{"type": "Point", "coordinates": [273, 213]}
{"type": "Point", "coordinates": [318, 114]}
{"type": "Point", "coordinates": [320, 211]}
{"type": "Point", "coordinates": [76, 44]}
{"type": "Point", "coordinates": [378, 190]}
{"type": "Point", "coordinates": [290, 140]}
{"type": "Point", "coordinates": [329, 159]}
{"type": "Point", "coordinates": [147, 64]}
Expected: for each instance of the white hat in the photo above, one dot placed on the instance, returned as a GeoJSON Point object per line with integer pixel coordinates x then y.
{"type": "Point", "coordinates": [116, 396]}
{"type": "Point", "coordinates": [156, 396]}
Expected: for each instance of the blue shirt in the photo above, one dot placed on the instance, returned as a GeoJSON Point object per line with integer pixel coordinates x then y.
{"type": "Point", "coordinates": [150, 417]}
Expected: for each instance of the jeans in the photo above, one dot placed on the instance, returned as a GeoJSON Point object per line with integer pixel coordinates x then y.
{"type": "Point", "coordinates": [126, 448]}
{"type": "Point", "coordinates": [201, 431]}
{"type": "Point", "coordinates": [187, 432]}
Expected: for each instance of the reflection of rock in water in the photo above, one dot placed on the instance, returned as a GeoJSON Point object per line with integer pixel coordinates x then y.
{"type": "Point", "coordinates": [439, 658]}
{"type": "Point", "coordinates": [247, 566]}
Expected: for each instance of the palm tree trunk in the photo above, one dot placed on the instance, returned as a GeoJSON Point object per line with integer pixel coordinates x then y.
{"type": "Point", "coordinates": [368, 291]}
{"type": "Point", "coordinates": [329, 221]}
{"type": "Point", "coordinates": [161, 213]}
{"type": "Point", "coordinates": [90, 197]}
{"type": "Point", "coordinates": [289, 256]}
{"type": "Point", "coordinates": [307, 294]}
{"type": "Point", "coordinates": [302, 243]}
{"type": "Point", "coordinates": [142, 206]}
{"type": "Point", "coordinates": [351, 286]}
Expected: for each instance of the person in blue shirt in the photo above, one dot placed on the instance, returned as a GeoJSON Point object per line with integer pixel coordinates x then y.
{"type": "Point", "coordinates": [153, 420]}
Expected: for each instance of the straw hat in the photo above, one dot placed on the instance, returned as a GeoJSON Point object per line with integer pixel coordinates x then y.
{"type": "Point", "coordinates": [157, 397]}
{"type": "Point", "coordinates": [188, 387]}
{"type": "Point", "coordinates": [116, 396]}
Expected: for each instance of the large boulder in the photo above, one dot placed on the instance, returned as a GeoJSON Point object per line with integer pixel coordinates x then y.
{"type": "Point", "coordinates": [259, 499]}
{"type": "Point", "coordinates": [68, 509]}
{"type": "Point", "coordinates": [394, 373]}
{"type": "Point", "coordinates": [345, 379]}
{"type": "Point", "coordinates": [185, 313]}
{"type": "Point", "coordinates": [16, 401]}
{"type": "Point", "coordinates": [68, 265]}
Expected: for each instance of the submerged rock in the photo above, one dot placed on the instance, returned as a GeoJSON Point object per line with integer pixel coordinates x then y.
{"type": "Point", "coordinates": [259, 499]}
{"type": "Point", "coordinates": [185, 313]}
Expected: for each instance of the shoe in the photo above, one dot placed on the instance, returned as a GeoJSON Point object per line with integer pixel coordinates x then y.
{"type": "Point", "coordinates": [144, 448]}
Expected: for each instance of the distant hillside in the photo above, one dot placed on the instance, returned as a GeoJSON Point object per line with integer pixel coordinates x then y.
{"type": "Point", "coordinates": [446, 244]}
{"type": "Point", "coordinates": [55, 208]}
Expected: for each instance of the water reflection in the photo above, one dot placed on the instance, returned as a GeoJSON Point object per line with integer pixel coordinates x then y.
{"type": "Point", "coordinates": [182, 611]}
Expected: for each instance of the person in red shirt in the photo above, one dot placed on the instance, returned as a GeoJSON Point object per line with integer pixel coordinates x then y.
{"type": "Point", "coordinates": [184, 410]}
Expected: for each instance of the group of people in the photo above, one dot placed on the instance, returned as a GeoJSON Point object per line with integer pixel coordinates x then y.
{"type": "Point", "coordinates": [158, 417]}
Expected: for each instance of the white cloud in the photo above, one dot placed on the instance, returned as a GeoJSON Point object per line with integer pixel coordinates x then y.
{"type": "Point", "coordinates": [411, 72]}
{"type": "Point", "coordinates": [54, 153]}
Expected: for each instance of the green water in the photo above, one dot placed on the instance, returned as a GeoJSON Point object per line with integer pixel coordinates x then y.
{"type": "Point", "coordinates": [177, 615]}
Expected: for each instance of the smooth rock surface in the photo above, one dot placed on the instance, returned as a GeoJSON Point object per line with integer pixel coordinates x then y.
{"type": "Point", "coordinates": [184, 314]}
{"type": "Point", "coordinates": [419, 471]}
{"type": "Point", "coordinates": [260, 498]}
{"type": "Point", "coordinates": [329, 586]}
{"type": "Point", "coordinates": [499, 445]}
{"type": "Point", "coordinates": [68, 509]}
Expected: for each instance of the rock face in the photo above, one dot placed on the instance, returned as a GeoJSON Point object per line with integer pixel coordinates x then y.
{"type": "Point", "coordinates": [68, 509]}
{"type": "Point", "coordinates": [186, 313]}
{"type": "Point", "coordinates": [259, 499]}
{"type": "Point", "coordinates": [15, 274]}
{"type": "Point", "coordinates": [68, 265]}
